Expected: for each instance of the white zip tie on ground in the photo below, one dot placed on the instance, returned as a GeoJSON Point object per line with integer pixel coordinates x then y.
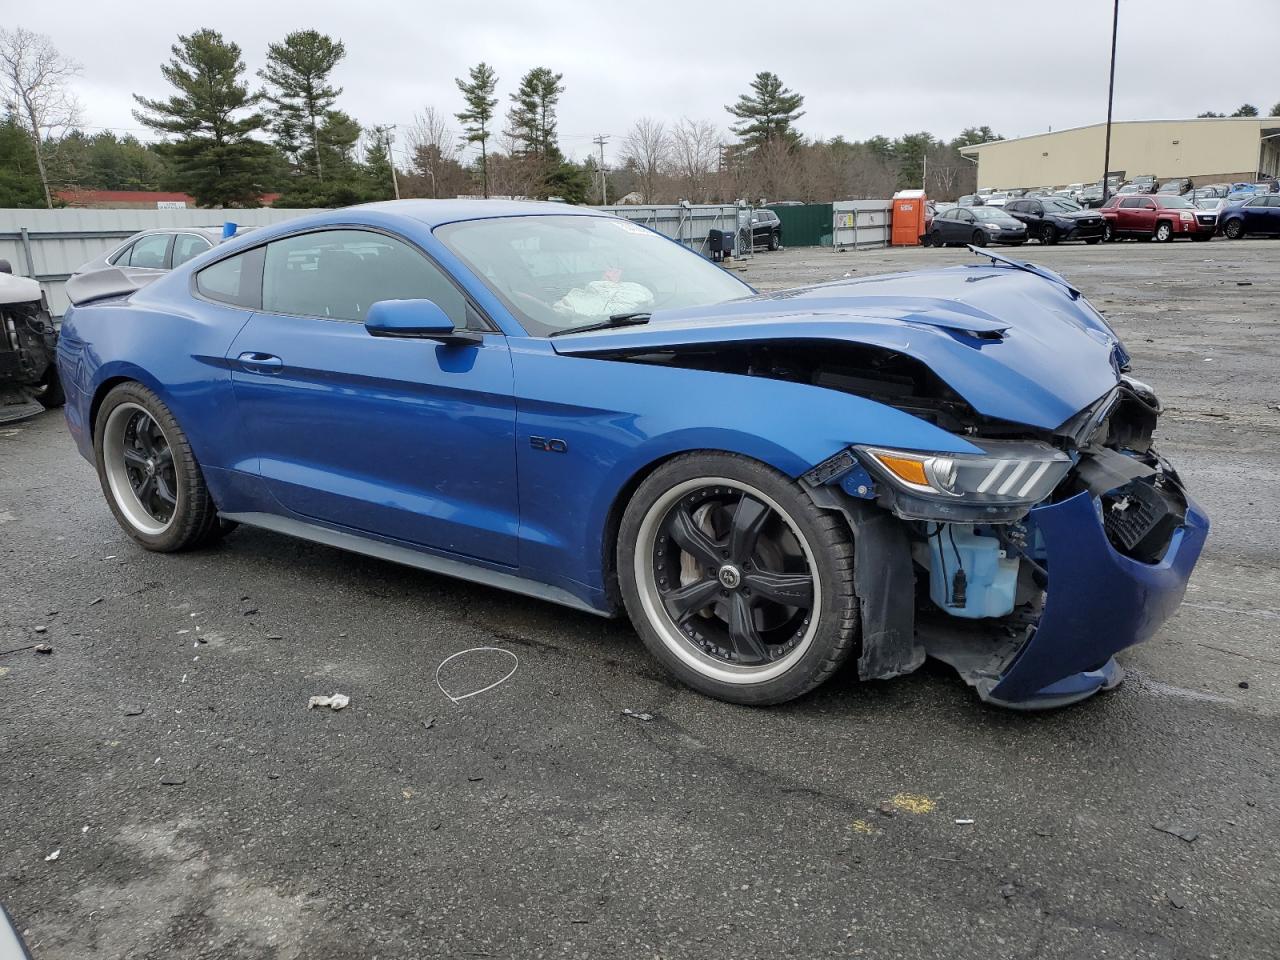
{"type": "Point", "coordinates": [515, 666]}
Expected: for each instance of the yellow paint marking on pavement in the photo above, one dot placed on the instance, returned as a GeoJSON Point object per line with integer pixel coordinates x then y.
{"type": "Point", "coordinates": [861, 826]}
{"type": "Point", "coordinates": [913, 803]}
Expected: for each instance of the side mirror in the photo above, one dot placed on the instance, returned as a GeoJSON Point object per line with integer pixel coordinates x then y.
{"type": "Point", "coordinates": [415, 320]}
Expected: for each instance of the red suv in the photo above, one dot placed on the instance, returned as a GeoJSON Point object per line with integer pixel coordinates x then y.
{"type": "Point", "coordinates": [1155, 217]}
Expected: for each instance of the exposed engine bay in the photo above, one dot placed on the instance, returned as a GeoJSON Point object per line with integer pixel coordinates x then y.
{"type": "Point", "coordinates": [28, 344]}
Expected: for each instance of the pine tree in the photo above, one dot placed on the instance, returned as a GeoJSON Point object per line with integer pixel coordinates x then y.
{"type": "Point", "coordinates": [297, 73]}
{"type": "Point", "coordinates": [531, 120]}
{"type": "Point", "coordinates": [769, 114]}
{"type": "Point", "coordinates": [1246, 110]}
{"type": "Point", "coordinates": [215, 158]}
{"type": "Point", "coordinates": [477, 94]}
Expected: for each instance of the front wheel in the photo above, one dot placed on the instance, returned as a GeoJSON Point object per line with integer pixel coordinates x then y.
{"type": "Point", "coordinates": [775, 240]}
{"type": "Point", "coordinates": [1234, 229]}
{"type": "Point", "coordinates": [1108, 232]}
{"type": "Point", "coordinates": [736, 582]}
{"type": "Point", "coordinates": [149, 475]}
{"type": "Point", "coordinates": [1164, 232]}
{"type": "Point", "coordinates": [979, 239]}
{"type": "Point", "coordinates": [935, 239]}
{"type": "Point", "coordinates": [1048, 234]}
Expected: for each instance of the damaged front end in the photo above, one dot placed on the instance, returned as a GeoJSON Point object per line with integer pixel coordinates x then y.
{"type": "Point", "coordinates": [1026, 567]}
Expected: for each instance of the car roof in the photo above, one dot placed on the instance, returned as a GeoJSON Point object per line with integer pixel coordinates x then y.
{"type": "Point", "coordinates": [436, 212]}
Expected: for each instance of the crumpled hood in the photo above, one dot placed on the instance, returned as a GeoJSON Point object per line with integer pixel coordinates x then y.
{"type": "Point", "coordinates": [1015, 345]}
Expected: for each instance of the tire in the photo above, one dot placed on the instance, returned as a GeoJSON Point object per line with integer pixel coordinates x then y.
{"type": "Point", "coordinates": [1164, 232]}
{"type": "Point", "coordinates": [719, 625]}
{"type": "Point", "coordinates": [1233, 229]}
{"type": "Point", "coordinates": [149, 475]}
{"type": "Point", "coordinates": [1092, 240]}
{"type": "Point", "coordinates": [775, 240]}
{"type": "Point", "coordinates": [1048, 234]}
{"type": "Point", "coordinates": [935, 239]}
{"type": "Point", "coordinates": [979, 239]}
{"type": "Point", "coordinates": [1108, 232]}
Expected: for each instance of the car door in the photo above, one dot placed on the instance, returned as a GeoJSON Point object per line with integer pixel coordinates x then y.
{"type": "Point", "coordinates": [1254, 212]}
{"type": "Point", "coordinates": [408, 439]}
{"type": "Point", "coordinates": [1272, 223]}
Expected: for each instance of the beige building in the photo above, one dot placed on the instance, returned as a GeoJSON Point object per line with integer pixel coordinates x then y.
{"type": "Point", "coordinates": [1209, 150]}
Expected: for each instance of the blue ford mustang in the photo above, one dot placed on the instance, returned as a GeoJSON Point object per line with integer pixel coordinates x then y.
{"type": "Point", "coordinates": [950, 463]}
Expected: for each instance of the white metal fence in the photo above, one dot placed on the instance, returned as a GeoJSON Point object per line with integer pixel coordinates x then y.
{"type": "Point", "coordinates": [691, 224]}
{"type": "Point", "coordinates": [857, 224]}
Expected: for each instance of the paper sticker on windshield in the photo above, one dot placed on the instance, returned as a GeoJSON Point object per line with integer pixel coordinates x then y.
{"type": "Point", "coordinates": [630, 227]}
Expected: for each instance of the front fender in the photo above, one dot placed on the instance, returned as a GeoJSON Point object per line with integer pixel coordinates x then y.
{"type": "Point", "coordinates": [614, 420]}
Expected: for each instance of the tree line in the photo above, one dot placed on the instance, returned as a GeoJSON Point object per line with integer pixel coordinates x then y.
{"type": "Point", "coordinates": [229, 139]}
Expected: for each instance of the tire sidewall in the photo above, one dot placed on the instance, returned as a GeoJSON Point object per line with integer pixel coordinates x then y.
{"type": "Point", "coordinates": [193, 511]}
{"type": "Point", "coordinates": [831, 637]}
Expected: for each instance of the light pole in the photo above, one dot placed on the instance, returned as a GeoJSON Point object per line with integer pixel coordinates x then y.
{"type": "Point", "coordinates": [1111, 93]}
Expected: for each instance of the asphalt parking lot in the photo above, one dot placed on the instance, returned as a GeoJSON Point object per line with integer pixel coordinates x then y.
{"type": "Point", "coordinates": [165, 750]}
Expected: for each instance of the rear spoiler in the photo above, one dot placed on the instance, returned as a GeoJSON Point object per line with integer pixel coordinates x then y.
{"type": "Point", "coordinates": [100, 284]}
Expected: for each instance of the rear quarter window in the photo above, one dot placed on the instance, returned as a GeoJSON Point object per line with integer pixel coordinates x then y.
{"type": "Point", "coordinates": [236, 281]}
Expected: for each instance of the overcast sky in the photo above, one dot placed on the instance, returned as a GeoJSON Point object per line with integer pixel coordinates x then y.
{"type": "Point", "coordinates": [865, 67]}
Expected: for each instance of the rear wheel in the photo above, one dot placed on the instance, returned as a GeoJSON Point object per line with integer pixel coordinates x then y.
{"type": "Point", "coordinates": [149, 475]}
{"type": "Point", "coordinates": [1108, 232]}
{"type": "Point", "coordinates": [978, 239]}
{"type": "Point", "coordinates": [1048, 234]}
{"type": "Point", "coordinates": [1234, 229]}
{"type": "Point", "coordinates": [736, 582]}
{"type": "Point", "coordinates": [1164, 231]}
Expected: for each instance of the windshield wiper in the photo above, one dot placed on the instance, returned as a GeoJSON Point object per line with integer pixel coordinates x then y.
{"type": "Point", "coordinates": [615, 320]}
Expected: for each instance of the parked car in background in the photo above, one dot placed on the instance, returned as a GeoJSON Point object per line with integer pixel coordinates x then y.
{"type": "Point", "coordinates": [1090, 197]}
{"type": "Point", "coordinates": [1177, 186]}
{"type": "Point", "coordinates": [28, 345]}
{"type": "Point", "coordinates": [151, 253]}
{"type": "Point", "coordinates": [1145, 183]}
{"type": "Point", "coordinates": [1208, 190]}
{"type": "Point", "coordinates": [1153, 217]}
{"type": "Point", "coordinates": [971, 200]}
{"type": "Point", "coordinates": [766, 229]}
{"type": "Point", "coordinates": [1050, 219]}
{"type": "Point", "coordinates": [1207, 206]}
{"type": "Point", "coordinates": [978, 225]}
{"type": "Point", "coordinates": [996, 199]}
{"type": "Point", "coordinates": [1257, 214]}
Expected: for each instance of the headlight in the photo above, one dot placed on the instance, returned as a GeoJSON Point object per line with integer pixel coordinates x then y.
{"type": "Point", "coordinates": [1186, 215]}
{"type": "Point", "coordinates": [1007, 473]}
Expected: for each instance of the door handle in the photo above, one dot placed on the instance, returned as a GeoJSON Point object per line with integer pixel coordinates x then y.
{"type": "Point", "coordinates": [260, 362]}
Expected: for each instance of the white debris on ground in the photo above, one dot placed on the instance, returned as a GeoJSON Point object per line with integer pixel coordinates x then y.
{"type": "Point", "coordinates": [337, 701]}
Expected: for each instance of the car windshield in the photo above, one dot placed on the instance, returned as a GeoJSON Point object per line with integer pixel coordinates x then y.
{"type": "Point", "coordinates": [993, 215]}
{"type": "Point", "coordinates": [1176, 203]}
{"type": "Point", "coordinates": [1060, 205]}
{"type": "Point", "coordinates": [1210, 203]}
{"type": "Point", "coordinates": [558, 273]}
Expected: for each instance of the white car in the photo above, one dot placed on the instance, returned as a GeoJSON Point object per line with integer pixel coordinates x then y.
{"type": "Point", "coordinates": [28, 343]}
{"type": "Point", "coordinates": [153, 253]}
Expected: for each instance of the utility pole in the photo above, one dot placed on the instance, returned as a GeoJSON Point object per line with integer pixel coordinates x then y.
{"type": "Point", "coordinates": [600, 141]}
{"type": "Point", "coordinates": [1111, 93]}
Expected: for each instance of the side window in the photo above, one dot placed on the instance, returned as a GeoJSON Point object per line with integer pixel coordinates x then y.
{"type": "Point", "coordinates": [233, 280]}
{"type": "Point", "coordinates": [1036, 208]}
{"type": "Point", "coordinates": [150, 251]}
{"type": "Point", "coordinates": [1147, 204]}
{"type": "Point", "coordinates": [121, 257]}
{"type": "Point", "coordinates": [1130, 202]}
{"type": "Point", "coordinates": [339, 273]}
{"type": "Point", "coordinates": [188, 245]}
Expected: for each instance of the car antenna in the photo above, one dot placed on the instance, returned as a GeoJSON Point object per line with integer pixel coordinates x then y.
{"type": "Point", "coordinates": [1029, 267]}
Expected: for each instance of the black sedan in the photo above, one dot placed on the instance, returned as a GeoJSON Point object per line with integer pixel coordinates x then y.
{"type": "Point", "coordinates": [981, 225]}
{"type": "Point", "coordinates": [1050, 219]}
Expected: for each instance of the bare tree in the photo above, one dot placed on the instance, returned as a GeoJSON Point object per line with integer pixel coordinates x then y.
{"type": "Point", "coordinates": [433, 147]}
{"type": "Point", "coordinates": [647, 149]}
{"type": "Point", "coordinates": [35, 78]}
{"type": "Point", "coordinates": [695, 155]}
